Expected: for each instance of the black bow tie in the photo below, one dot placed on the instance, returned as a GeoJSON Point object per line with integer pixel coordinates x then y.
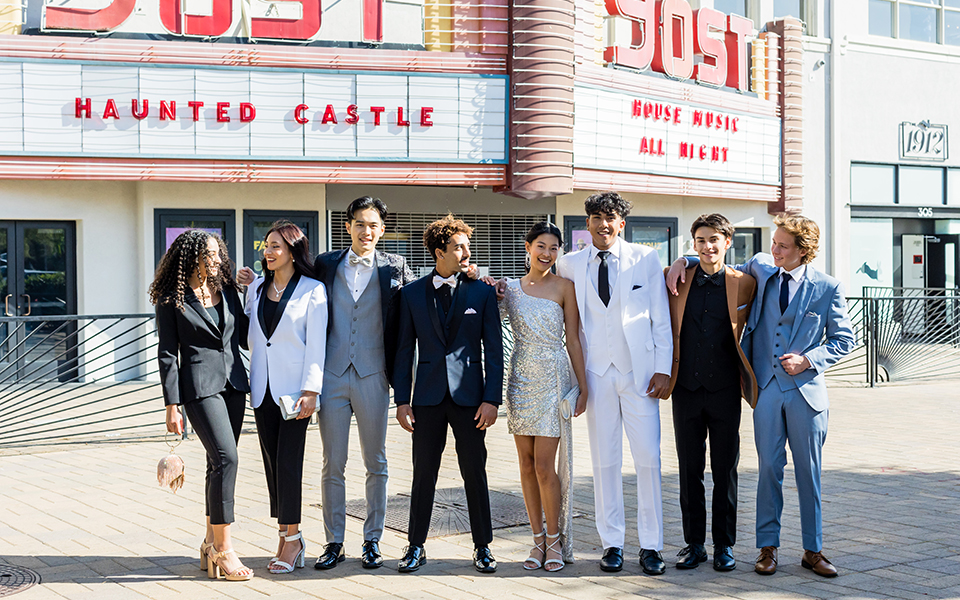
{"type": "Point", "coordinates": [716, 279]}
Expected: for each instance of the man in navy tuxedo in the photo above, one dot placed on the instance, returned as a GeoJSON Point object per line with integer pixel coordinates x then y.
{"type": "Point", "coordinates": [454, 323]}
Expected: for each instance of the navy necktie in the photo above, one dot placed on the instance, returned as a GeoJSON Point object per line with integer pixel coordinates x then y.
{"type": "Point", "coordinates": [784, 292]}
{"type": "Point", "coordinates": [603, 278]}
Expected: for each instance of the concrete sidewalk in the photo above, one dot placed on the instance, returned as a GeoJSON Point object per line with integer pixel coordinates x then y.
{"type": "Point", "coordinates": [91, 520]}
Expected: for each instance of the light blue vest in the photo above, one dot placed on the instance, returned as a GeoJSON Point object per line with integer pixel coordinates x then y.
{"type": "Point", "coordinates": [771, 336]}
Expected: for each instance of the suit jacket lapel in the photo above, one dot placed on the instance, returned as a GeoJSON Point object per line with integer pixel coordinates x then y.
{"type": "Point", "coordinates": [197, 306]}
{"type": "Point", "coordinates": [803, 300]}
{"type": "Point", "coordinates": [331, 271]}
{"type": "Point", "coordinates": [270, 328]}
{"type": "Point", "coordinates": [733, 294]}
{"type": "Point", "coordinates": [458, 306]}
{"type": "Point", "coordinates": [227, 314]}
{"type": "Point", "coordinates": [683, 291]}
{"type": "Point", "coordinates": [581, 279]}
{"type": "Point", "coordinates": [383, 272]}
{"type": "Point", "coordinates": [260, 318]}
{"type": "Point", "coordinates": [431, 306]}
{"type": "Point", "coordinates": [625, 261]}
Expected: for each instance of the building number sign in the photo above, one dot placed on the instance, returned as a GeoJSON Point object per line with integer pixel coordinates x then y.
{"type": "Point", "coordinates": [923, 141]}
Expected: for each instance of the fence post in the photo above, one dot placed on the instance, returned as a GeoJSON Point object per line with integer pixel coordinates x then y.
{"type": "Point", "coordinates": [872, 342]}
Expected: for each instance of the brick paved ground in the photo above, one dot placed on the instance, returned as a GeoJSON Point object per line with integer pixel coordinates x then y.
{"type": "Point", "coordinates": [92, 521]}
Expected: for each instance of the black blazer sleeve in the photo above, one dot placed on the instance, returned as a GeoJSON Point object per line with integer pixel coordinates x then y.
{"type": "Point", "coordinates": [403, 359]}
{"type": "Point", "coordinates": [168, 348]}
{"type": "Point", "coordinates": [492, 350]}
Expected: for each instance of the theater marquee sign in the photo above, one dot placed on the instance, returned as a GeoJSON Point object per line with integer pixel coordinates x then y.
{"type": "Point", "coordinates": [61, 109]}
{"type": "Point", "coordinates": [643, 134]}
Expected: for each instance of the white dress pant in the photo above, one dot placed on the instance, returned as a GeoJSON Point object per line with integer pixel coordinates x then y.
{"type": "Point", "coordinates": [615, 405]}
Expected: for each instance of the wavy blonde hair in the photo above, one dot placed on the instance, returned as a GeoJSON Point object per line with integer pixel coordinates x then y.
{"type": "Point", "coordinates": [806, 234]}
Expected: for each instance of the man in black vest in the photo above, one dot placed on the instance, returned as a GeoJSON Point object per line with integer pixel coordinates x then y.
{"type": "Point", "coordinates": [710, 373]}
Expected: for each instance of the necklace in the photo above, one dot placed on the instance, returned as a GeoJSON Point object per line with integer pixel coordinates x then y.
{"type": "Point", "coordinates": [280, 291]}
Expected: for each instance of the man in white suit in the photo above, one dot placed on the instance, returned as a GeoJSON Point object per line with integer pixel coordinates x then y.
{"type": "Point", "coordinates": [628, 346]}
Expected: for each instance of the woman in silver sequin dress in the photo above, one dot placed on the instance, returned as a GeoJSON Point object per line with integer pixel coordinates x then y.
{"type": "Point", "coordinates": [540, 306]}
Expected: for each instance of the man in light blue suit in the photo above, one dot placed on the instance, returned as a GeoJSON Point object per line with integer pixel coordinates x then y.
{"type": "Point", "coordinates": [798, 328]}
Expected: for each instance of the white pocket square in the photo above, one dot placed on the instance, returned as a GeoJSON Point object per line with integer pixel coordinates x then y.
{"type": "Point", "coordinates": [469, 311]}
{"type": "Point", "coordinates": [741, 307]}
{"type": "Point", "coordinates": [812, 314]}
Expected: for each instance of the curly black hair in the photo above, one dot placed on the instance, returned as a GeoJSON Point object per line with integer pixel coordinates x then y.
{"type": "Point", "coordinates": [609, 203]}
{"type": "Point", "coordinates": [181, 261]}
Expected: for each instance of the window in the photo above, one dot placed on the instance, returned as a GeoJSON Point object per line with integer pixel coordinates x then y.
{"type": "Point", "coordinates": [731, 7]}
{"type": "Point", "coordinates": [657, 233]}
{"type": "Point", "coordinates": [496, 245]}
{"type": "Point", "coordinates": [933, 21]}
{"type": "Point", "coordinates": [169, 223]}
{"type": "Point", "coordinates": [746, 243]}
{"type": "Point", "coordinates": [256, 224]}
{"type": "Point", "coordinates": [872, 184]}
{"type": "Point", "coordinates": [920, 186]}
{"type": "Point", "coordinates": [787, 8]}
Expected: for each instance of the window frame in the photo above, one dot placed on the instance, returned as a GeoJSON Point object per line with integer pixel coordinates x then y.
{"type": "Point", "coordinates": [161, 216]}
{"type": "Point", "coordinates": [941, 9]}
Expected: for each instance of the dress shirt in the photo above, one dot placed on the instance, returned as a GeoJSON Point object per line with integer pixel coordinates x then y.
{"type": "Point", "coordinates": [613, 265]}
{"type": "Point", "coordinates": [358, 274]}
{"type": "Point", "coordinates": [796, 278]}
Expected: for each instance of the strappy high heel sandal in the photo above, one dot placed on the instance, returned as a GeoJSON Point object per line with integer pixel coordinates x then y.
{"type": "Point", "coordinates": [282, 568]}
{"type": "Point", "coordinates": [283, 537]}
{"type": "Point", "coordinates": [204, 546]}
{"type": "Point", "coordinates": [550, 548]}
{"type": "Point", "coordinates": [532, 563]}
{"type": "Point", "coordinates": [215, 571]}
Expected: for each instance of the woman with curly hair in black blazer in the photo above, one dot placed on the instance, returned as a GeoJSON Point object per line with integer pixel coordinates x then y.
{"type": "Point", "coordinates": [200, 323]}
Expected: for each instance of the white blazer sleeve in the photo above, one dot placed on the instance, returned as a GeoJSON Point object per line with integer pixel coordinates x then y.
{"type": "Point", "coordinates": [316, 346]}
{"type": "Point", "coordinates": [661, 328]}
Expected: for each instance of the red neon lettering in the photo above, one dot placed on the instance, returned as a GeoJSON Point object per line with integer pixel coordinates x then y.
{"type": "Point", "coordinates": [303, 28]}
{"type": "Point", "coordinates": [647, 110]}
{"type": "Point", "coordinates": [425, 113]}
{"type": "Point", "coordinates": [735, 39]}
{"type": "Point", "coordinates": [734, 123]}
{"type": "Point", "coordinates": [135, 109]}
{"type": "Point", "coordinates": [724, 151]}
{"type": "Point", "coordinates": [352, 117]}
{"type": "Point", "coordinates": [101, 19]}
{"type": "Point", "coordinates": [660, 147]}
{"type": "Point", "coordinates": [196, 105]}
{"type": "Point", "coordinates": [667, 111]}
{"type": "Point", "coordinates": [373, 20]}
{"type": "Point", "coordinates": [376, 110]}
{"type": "Point", "coordinates": [644, 148]}
{"type": "Point", "coordinates": [298, 115]}
{"type": "Point", "coordinates": [217, 24]}
{"type": "Point", "coordinates": [110, 110]}
{"type": "Point", "coordinates": [703, 152]}
{"type": "Point", "coordinates": [715, 153]}
{"type": "Point", "coordinates": [639, 54]}
{"type": "Point", "coordinates": [719, 121]}
{"type": "Point", "coordinates": [329, 116]}
{"type": "Point", "coordinates": [709, 119]}
{"type": "Point", "coordinates": [713, 70]}
{"type": "Point", "coordinates": [168, 110]}
{"type": "Point", "coordinates": [657, 111]}
{"type": "Point", "coordinates": [248, 112]}
{"type": "Point", "coordinates": [674, 52]}
{"type": "Point", "coordinates": [697, 118]}
{"type": "Point", "coordinates": [676, 115]}
{"type": "Point", "coordinates": [638, 108]}
{"type": "Point", "coordinates": [222, 108]}
{"type": "Point", "coordinates": [401, 122]}
{"type": "Point", "coordinates": [685, 150]}
{"type": "Point", "coordinates": [82, 106]}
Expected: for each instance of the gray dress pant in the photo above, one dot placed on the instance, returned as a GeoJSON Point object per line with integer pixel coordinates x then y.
{"type": "Point", "coordinates": [368, 398]}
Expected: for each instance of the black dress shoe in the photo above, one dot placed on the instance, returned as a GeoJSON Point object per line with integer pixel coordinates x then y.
{"type": "Point", "coordinates": [483, 560]}
{"type": "Point", "coordinates": [370, 557]}
{"type": "Point", "coordinates": [692, 556]}
{"type": "Point", "coordinates": [414, 557]}
{"type": "Point", "coordinates": [723, 558]}
{"type": "Point", "coordinates": [652, 562]}
{"type": "Point", "coordinates": [332, 556]}
{"type": "Point", "coordinates": [612, 560]}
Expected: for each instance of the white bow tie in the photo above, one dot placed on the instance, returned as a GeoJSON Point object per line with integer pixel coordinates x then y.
{"type": "Point", "coordinates": [360, 260]}
{"type": "Point", "coordinates": [439, 281]}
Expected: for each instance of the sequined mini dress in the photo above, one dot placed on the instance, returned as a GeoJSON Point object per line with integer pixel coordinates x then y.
{"type": "Point", "coordinates": [539, 368]}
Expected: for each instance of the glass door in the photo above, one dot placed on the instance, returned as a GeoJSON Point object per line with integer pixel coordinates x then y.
{"type": "Point", "coordinates": [655, 232]}
{"type": "Point", "coordinates": [37, 279]}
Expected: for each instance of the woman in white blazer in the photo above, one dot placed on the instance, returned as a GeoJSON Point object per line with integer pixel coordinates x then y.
{"type": "Point", "coordinates": [287, 340]}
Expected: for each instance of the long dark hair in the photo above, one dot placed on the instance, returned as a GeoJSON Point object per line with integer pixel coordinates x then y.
{"type": "Point", "coordinates": [182, 260]}
{"type": "Point", "coordinates": [299, 247]}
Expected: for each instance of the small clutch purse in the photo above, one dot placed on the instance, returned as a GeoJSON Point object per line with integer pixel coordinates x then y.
{"type": "Point", "coordinates": [569, 402]}
{"type": "Point", "coordinates": [288, 407]}
{"type": "Point", "coordinates": [170, 470]}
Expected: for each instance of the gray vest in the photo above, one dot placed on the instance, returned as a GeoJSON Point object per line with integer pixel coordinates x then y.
{"type": "Point", "coordinates": [771, 336]}
{"type": "Point", "coordinates": [356, 329]}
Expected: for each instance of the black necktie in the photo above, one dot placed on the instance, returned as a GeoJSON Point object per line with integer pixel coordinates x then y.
{"type": "Point", "coordinates": [603, 278]}
{"type": "Point", "coordinates": [784, 292]}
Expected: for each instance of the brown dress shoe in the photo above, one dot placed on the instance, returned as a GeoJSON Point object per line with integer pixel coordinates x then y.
{"type": "Point", "coordinates": [767, 561]}
{"type": "Point", "coordinates": [818, 563]}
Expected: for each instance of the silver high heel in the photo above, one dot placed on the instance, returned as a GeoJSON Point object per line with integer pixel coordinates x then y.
{"type": "Point", "coordinates": [553, 561]}
{"type": "Point", "coordinates": [536, 546]}
{"type": "Point", "coordinates": [281, 568]}
{"type": "Point", "coordinates": [283, 536]}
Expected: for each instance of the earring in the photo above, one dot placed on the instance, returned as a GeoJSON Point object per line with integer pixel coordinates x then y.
{"type": "Point", "coordinates": [526, 260]}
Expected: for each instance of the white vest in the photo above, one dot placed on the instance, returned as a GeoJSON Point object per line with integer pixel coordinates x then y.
{"type": "Point", "coordinates": [603, 327]}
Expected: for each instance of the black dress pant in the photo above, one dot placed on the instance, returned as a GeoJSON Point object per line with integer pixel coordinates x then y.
{"type": "Point", "coordinates": [695, 416]}
{"type": "Point", "coordinates": [429, 440]}
{"type": "Point", "coordinates": [217, 421]}
{"type": "Point", "coordinates": [282, 445]}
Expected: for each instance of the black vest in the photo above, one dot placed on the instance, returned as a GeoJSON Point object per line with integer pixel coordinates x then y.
{"type": "Point", "coordinates": [708, 352]}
